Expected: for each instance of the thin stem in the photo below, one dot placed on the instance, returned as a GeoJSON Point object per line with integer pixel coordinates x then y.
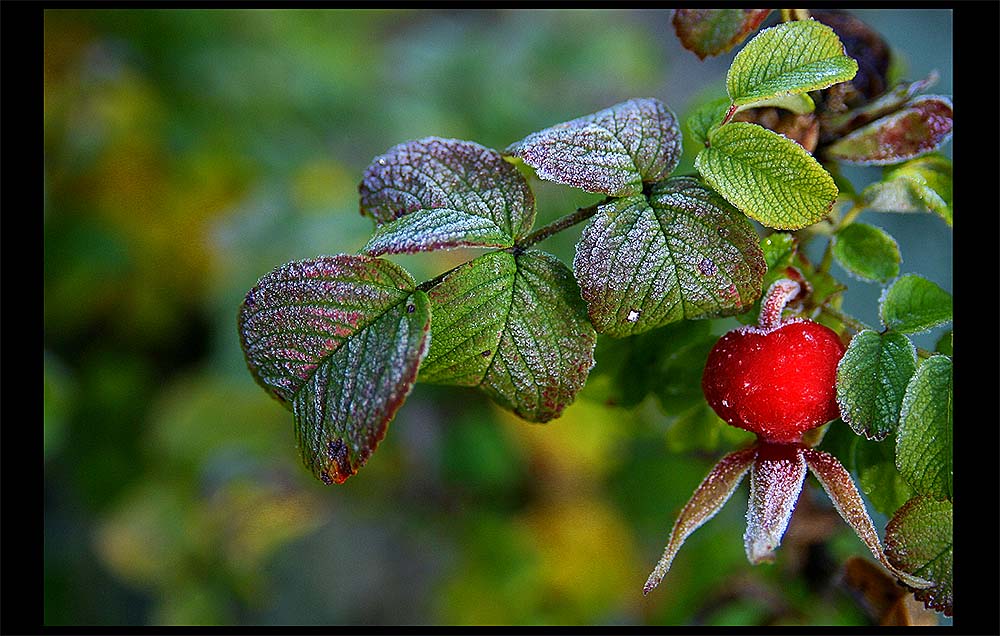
{"type": "Point", "coordinates": [851, 214]}
{"type": "Point", "coordinates": [560, 224]}
{"type": "Point", "coordinates": [427, 285]}
{"type": "Point", "coordinates": [850, 321]}
{"type": "Point", "coordinates": [725, 120]}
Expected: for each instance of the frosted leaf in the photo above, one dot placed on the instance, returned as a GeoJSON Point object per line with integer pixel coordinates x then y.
{"type": "Point", "coordinates": [713, 492]}
{"type": "Point", "coordinates": [612, 151]}
{"type": "Point", "coordinates": [708, 32]}
{"type": "Point", "coordinates": [514, 326]}
{"type": "Point", "coordinates": [338, 339]}
{"type": "Point", "coordinates": [871, 380]}
{"type": "Point", "coordinates": [924, 125]}
{"type": "Point", "coordinates": [837, 483]}
{"type": "Point", "coordinates": [913, 304]}
{"type": "Point", "coordinates": [645, 262]}
{"type": "Point", "coordinates": [867, 252]}
{"type": "Point", "coordinates": [790, 58]}
{"type": "Point", "coordinates": [924, 442]}
{"type": "Point", "coordinates": [769, 177]}
{"type": "Point", "coordinates": [470, 308]}
{"type": "Point", "coordinates": [775, 483]}
{"type": "Point", "coordinates": [435, 193]}
{"type": "Point", "coordinates": [919, 185]}
{"type": "Point", "coordinates": [919, 539]}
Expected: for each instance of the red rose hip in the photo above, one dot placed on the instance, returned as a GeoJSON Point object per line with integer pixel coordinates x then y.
{"type": "Point", "coordinates": [777, 382]}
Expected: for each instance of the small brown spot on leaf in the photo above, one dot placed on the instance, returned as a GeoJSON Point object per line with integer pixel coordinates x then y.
{"type": "Point", "coordinates": [337, 453]}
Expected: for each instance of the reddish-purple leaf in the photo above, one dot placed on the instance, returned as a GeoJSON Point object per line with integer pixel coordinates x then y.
{"type": "Point", "coordinates": [435, 193]}
{"type": "Point", "coordinates": [775, 483]}
{"type": "Point", "coordinates": [338, 339]}
{"type": "Point", "coordinates": [613, 151]}
{"type": "Point", "coordinates": [713, 31]}
{"type": "Point", "coordinates": [924, 125]}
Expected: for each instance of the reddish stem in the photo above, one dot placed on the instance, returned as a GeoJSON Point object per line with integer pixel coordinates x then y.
{"type": "Point", "coordinates": [729, 114]}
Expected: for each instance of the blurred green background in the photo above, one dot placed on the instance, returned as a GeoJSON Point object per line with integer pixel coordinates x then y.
{"type": "Point", "coordinates": [187, 153]}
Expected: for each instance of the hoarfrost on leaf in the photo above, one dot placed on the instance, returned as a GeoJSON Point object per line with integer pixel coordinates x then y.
{"type": "Point", "coordinates": [515, 327]}
{"type": "Point", "coordinates": [645, 262]}
{"type": "Point", "coordinates": [338, 340]}
{"type": "Point", "coordinates": [435, 193]}
{"type": "Point", "coordinates": [613, 151]}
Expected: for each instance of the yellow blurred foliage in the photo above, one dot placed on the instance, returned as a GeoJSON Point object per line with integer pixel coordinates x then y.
{"type": "Point", "coordinates": [582, 445]}
{"type": "Point", "coordinates": [587, 555]}
{"type": "Point", "coordinates": [251, 521]}
{"type": "Point", "coordinates": [324, 184]}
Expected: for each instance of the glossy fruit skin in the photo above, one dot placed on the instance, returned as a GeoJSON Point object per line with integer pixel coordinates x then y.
{"type": "Point", "coordinates": [777, 383]}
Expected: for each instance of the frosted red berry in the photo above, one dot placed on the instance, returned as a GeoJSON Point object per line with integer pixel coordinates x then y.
{"type": "Point", "coordinates": [777, 382]}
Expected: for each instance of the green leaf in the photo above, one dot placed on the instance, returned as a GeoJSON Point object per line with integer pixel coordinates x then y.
{"type": "Point", "coordinates": [706, 117]}
{"type": "Point", "coordinates": [613, 151]}
{"type": "Point", "coordinates": [798, 103]}
{"type": "Point", "coordinates": [337, 339]}
{"type": "Point", "coordinates": [680, 366]}
{"type": "Point", "coordinates": [435, 193]}
{"type": "Point", "coordinates": [919, 540]}
{"type": "Point", "coordinates": [696, 429]}
{"type": "Point", "coordinates": [919, 185]}
{"type": "Point", "coordinates": [514, 326]}
{"type": "Point", "coordinates": [867, 251]}
{"type": "Point", "coordinates": [471, 307]}
{"type": "Point", "coordinates": [871, 380]}
{"type": "Point", "coordinates": [914, 304]}
{"type": "Point", "coordinates": [700, 429]}
{"type": "Point", "coordinates": [770, 178]}
{"type": "Point", "coordinates": [665, 360]}
{"type": "Point", "coordinates": [709, 115]}
{"type": "Point", "coordinates": [924, 441]}
{"type": "Point", "coordinates": [875, 466]}
{"type": "Point", "coordinates": [713, 31]}
{"type": "Point", "coordinates": [923, 126]}
{"type": "Point", "coordinates": [792, 57]}
{"type": "Point", "coordinates": [778, 249]}
{"type": "Point", "coordinates": [682, 253]}
{"type": "Point", "coordinates": [873, 463]}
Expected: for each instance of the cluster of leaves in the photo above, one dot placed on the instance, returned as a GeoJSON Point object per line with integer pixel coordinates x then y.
{"type": "Point", "coordinates": [340, 340]}
{"type": "Point", "coordinates": [897, 401]}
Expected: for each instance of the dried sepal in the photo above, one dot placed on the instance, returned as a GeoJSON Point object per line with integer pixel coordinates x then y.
{"type": "Point", "coordinates": [706, 501]}
{"type": "Point", "coordinates": [776, 480]}
{"type": "Point", "coordinates": [840, 487]}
